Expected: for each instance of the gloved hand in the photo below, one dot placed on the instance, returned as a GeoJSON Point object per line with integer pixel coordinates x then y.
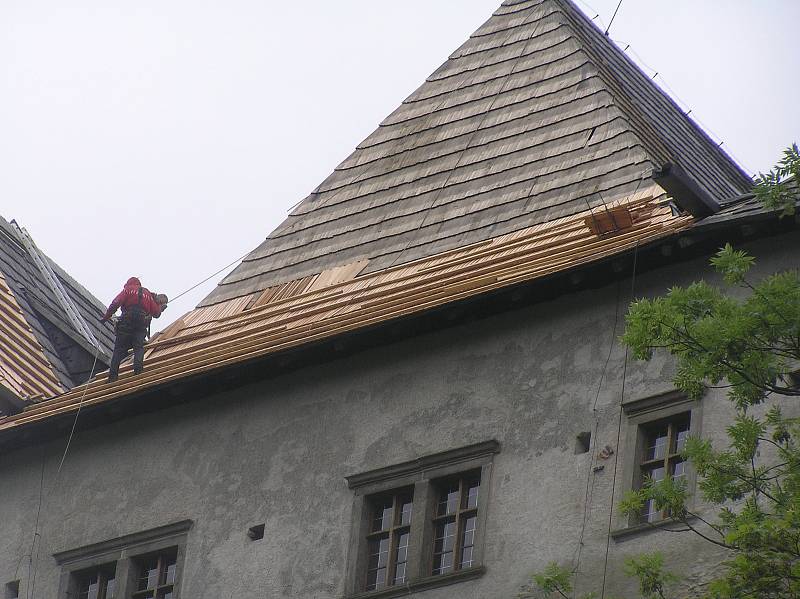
{"type": "Point", "coordinates": [105, 318]}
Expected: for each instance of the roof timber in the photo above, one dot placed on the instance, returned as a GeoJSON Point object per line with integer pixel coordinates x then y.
{"type": "Point", "coordinates": [218, 336]}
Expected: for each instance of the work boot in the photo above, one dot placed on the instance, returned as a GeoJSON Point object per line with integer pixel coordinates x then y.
{"type": "Point", "coordinates": [112, 377]}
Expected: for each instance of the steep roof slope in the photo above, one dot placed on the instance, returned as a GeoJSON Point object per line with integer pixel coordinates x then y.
{"type": "Point", "coordinates": [536, 117]}
{"type": "Point", "coordinates": [38, 342]}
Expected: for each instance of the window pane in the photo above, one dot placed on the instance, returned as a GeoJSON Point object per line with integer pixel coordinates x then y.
{"type": "Point", "coordinates": [467, 541]}
{"type": "Point", "coordinates": [471, 495]}
{"type": "Point", "coordinates": [448, 501]}
{"type": "Point", "coordinates": [656, 474]}
{"type": "Point", "coordinates": [383, 515]}
{"type": "Point", "coordinates": [377, 562]}
{"type": "Point", "coordinates": [443, 544]}
{"type": "Point", "coordinates": [148, 577]}
{"type": "Point", "coordinates": [679, 470]}
{"type": "Point", "coordinates": [657, 441]}
{"type": "Point", "coordinates": [401, 550]}
{"type": "Point", "coordinates": [682, 432]}
{"type": "Point", "coordinates": [110, 586]}
{"type": "Point", "coordinates": [95, 585]}
{"type": "Point", "coordinates": [405, 510]}
{"type": "Point", "coordinates": [649, 512]}
{"type": "Point", "coordinates": [168, 572]}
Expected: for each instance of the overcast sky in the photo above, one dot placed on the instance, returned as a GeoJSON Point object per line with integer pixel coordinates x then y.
{"type": "Point", "coordinates": [166, 138]}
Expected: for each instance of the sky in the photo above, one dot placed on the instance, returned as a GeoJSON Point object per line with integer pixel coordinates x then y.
{"type": "Point", "coordinates": [166, 138]}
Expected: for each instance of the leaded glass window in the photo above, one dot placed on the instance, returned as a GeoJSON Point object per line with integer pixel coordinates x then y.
{"type": "Point", "coordinates": [97, 583]}
{"type": "Point", "coordinates": [663, 442]}
{"type": "Point", "coordinates": [388, 539]}
{"type": "Point", "coordinates": [455, 523]}
{"type": "Point", "coordinates": [156, 576]}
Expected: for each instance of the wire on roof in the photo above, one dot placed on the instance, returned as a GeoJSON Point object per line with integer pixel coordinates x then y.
{"type": "Point", "coordinates": [211, 276]}
{"type": "Point", "coordinates": [682, 104]}
{"type": "Point", "coordinates": [596, 13]}
{"type": "Point", "coordinates": [614, 16]}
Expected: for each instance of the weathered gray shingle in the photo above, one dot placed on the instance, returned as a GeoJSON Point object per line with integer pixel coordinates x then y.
{"type": "Point", "coordinates": [537, 116]}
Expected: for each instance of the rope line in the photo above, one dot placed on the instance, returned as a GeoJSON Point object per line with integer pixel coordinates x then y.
{"type": "Point", "coordinates": [211, 276]}
{"type": "Point", "coordinates": [593, 441]}
{"type": "Point", "coordinates": [619, 432]}
{"type": "Point", "coordinates": [33, 562]}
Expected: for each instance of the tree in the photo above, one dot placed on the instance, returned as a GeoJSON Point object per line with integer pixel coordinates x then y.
{"type": "Point", "coordinates": [751, 347]}
{"type": "Point", "coordinates": [556, 582]}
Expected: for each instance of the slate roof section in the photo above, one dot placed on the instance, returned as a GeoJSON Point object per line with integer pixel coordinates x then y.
{"type": "Point", "coordinates": [57, 339]}
{"type": "Point", "coordinates": [747, 208]}
{"type": "Point", "coordinates": [536, 117]}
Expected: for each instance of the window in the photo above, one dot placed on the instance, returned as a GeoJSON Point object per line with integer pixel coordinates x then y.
{"type": "Point", "coordinates": [663, 442]}
{"type": "Point", "coordinates": [96, 583]}
{"type": "Point", "coordinates": [387, 542]}
{"type": "Point", "coordinates": [419, 524]}
{"type": "Point", "coordinates": [655, 433]}
{"type": "Point", "coordinates": [144, 565]}
{"type": "Point", "coordinates": [155, 577]}
{"type": "Point", "coordinates": [455, 524]}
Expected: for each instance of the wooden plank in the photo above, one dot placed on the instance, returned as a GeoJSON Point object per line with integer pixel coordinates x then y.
{"type": "Point", "coordinates": [314, 330]}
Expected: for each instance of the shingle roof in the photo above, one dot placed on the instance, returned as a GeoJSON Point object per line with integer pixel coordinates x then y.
{"type": "Point", "coordinates": [35, 333]}
{"type": "Point", "coordinates": [536, 117]}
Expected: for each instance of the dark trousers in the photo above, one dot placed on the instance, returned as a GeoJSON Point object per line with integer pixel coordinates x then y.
{"type": "Point", "coordinates": [127, 338]}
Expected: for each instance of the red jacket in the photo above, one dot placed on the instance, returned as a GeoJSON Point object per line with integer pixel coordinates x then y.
{"type": "Point", "coordinates": [129, 296]}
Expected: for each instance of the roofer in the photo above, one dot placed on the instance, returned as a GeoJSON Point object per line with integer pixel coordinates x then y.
{"type": "Point", "coordinates": [138, 306]}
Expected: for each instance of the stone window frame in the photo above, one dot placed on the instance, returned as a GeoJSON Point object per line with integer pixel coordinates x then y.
{"type": "Point", "coordinates": [123, 552]}
{"type": "Point", "coordinates": [422, 475]}
{"type": "Point", "coordinates": [638, 414]}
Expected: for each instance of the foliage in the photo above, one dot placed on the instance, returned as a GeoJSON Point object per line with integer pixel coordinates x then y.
{"type": "Point", "coordinates": [751, 347]}
{"type": "Point", "coordinates": [556, 581]}
{"type": "Point", "coordinates": [649, 570]}
{"type": "Point", "coordinates": [748, 344]}
{"type": "Point", "coordinates": [774, 189]}
{"type": "Point", "coordinates": [751, 344]}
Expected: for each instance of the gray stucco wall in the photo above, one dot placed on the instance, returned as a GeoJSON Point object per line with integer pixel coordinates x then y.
{"type": "Point", "coordinates": [277, 452]}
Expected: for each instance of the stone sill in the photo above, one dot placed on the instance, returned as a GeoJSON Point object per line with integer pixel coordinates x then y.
{"type": "Point", "coordinates": [644, 527]}
{"type": "Point", "coordinates": [422, 584]}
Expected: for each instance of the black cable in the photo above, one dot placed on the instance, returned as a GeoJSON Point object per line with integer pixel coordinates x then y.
{"type": "Point", "coordinates": [613, 16]}
{"type": "Point", "coordinates": [619, 431]}
{"type": "Point", "coordinates": [182, 293]}
{"type": "Point", "coordinates": [593, 439]}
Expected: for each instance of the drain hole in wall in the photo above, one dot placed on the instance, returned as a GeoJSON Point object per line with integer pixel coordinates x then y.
{"type": "Point", "coordinates": [583, 442]}
{"type": "Point", "coordinates": [256, 532]}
